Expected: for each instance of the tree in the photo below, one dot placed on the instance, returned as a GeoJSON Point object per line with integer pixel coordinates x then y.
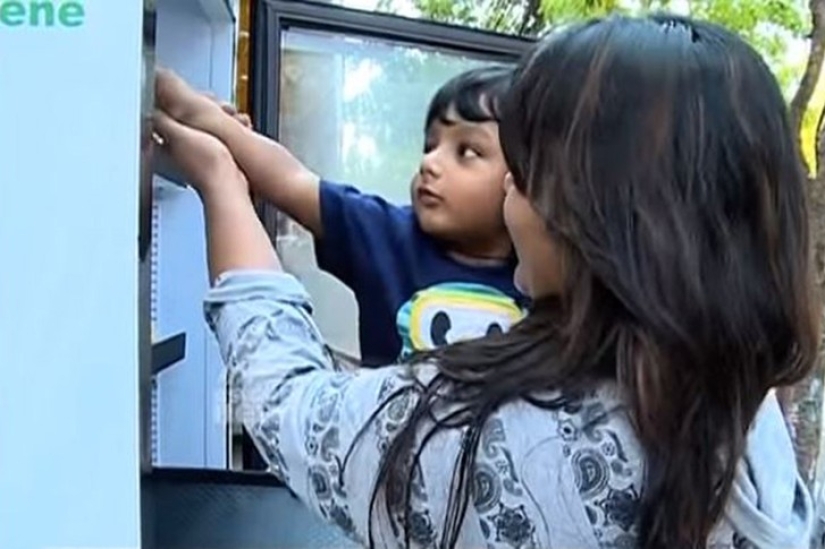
{"type": "Point", "coordinates": [771, 26]}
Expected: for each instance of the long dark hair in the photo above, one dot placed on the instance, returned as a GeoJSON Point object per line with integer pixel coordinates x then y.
{"type": "Point", "coordinates": [659, 153]}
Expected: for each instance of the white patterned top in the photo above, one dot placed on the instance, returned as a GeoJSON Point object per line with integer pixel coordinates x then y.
{"type": "Point", "coordinates": [567, 478]}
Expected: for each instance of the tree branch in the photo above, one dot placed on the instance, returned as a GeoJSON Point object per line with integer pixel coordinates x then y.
{"type": "Point", "coordinates": [529, 20]}
{"type": "Point", "coordinates": [813, 68]}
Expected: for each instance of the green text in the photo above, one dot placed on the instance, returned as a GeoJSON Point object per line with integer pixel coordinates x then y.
{"type": "Point", "coordinates": [42, 13]}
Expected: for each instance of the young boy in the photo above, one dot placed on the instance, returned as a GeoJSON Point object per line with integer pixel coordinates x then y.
{"type": "Point", "coordinates": [435, 272]}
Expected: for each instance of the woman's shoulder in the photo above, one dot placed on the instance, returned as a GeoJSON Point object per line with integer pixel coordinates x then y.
{"type": "Point", "coordinates": [571, 470]}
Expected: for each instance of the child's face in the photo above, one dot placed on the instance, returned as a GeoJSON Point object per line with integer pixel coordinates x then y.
{"type": "Point", "coordinates": [458, 192]}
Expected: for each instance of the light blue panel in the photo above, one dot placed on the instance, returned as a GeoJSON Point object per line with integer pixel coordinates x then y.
{"type": "Point", "coordinates": [181, 285]}
{"type": "Point", "coordinates": [69, 142]}
{"type": "Point", "coordinates": [190, 394]}
{"type": "Point", "coordinates": [183, 40]}
{"type": "Point", "coordinates": [222, 85]}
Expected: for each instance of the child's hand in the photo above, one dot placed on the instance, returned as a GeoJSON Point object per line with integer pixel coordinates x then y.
{"type": "Point", "coordinates": [203, 159]}
{"type": "Point", "coordinates": [183, 103]}
{"type": "Point", "coordinates": [232, 111]}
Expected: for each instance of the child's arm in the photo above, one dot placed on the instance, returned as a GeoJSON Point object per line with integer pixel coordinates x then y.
{"type": "Point", "coordinates": [272, 171]}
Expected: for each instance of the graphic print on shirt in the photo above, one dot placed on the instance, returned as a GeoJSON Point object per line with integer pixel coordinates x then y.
{"type": "Point", "coordinates": [454, 311]}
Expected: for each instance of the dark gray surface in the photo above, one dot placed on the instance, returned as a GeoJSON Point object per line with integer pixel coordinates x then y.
{"type": "Point", "coordinates": [218, 515]}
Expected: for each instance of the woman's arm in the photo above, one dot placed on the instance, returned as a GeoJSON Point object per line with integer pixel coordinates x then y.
{"type": "Point", "coordinates": [234, 234]}
{"type": "Point", "coordinates": [235, 237]}
{"type": "Point", "coordinates": [303, 414]}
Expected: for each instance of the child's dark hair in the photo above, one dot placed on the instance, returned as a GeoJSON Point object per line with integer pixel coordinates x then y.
{"type": "Point", "coordinates": [473, 95]}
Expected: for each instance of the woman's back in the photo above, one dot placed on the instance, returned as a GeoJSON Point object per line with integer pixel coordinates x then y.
{"type": "Point", "coordinates": [576, 480]}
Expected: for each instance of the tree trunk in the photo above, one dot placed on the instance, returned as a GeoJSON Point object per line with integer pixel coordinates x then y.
{"type": "Point", "coordinates": [803, 402]}
{"type": "Point", "coordinates": [813, 69]}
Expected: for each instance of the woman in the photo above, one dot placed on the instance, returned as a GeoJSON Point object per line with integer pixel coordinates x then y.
{"type": "Point", "coordinates": [658, 213]}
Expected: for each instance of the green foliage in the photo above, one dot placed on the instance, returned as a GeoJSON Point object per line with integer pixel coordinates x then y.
{"type": "Point", "coordinates": [772, 27]}
{"type": "Point", "coordinates": [775, 28]}
{"type": "Point", "coordinates": [560, 11]}
{"type": "Point", "coordinates": [495, 15]}
{"type": "Point", "coordinates": [769, 25]}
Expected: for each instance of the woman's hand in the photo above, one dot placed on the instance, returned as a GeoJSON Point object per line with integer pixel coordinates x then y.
{"type": "Point", "coordinates": [204, 160]}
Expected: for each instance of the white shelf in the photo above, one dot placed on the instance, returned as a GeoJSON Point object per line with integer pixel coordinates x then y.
{"type": "Point", "coordinates": [215, 11]}
{"type": "Point", "coordinates": [218, 11]}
